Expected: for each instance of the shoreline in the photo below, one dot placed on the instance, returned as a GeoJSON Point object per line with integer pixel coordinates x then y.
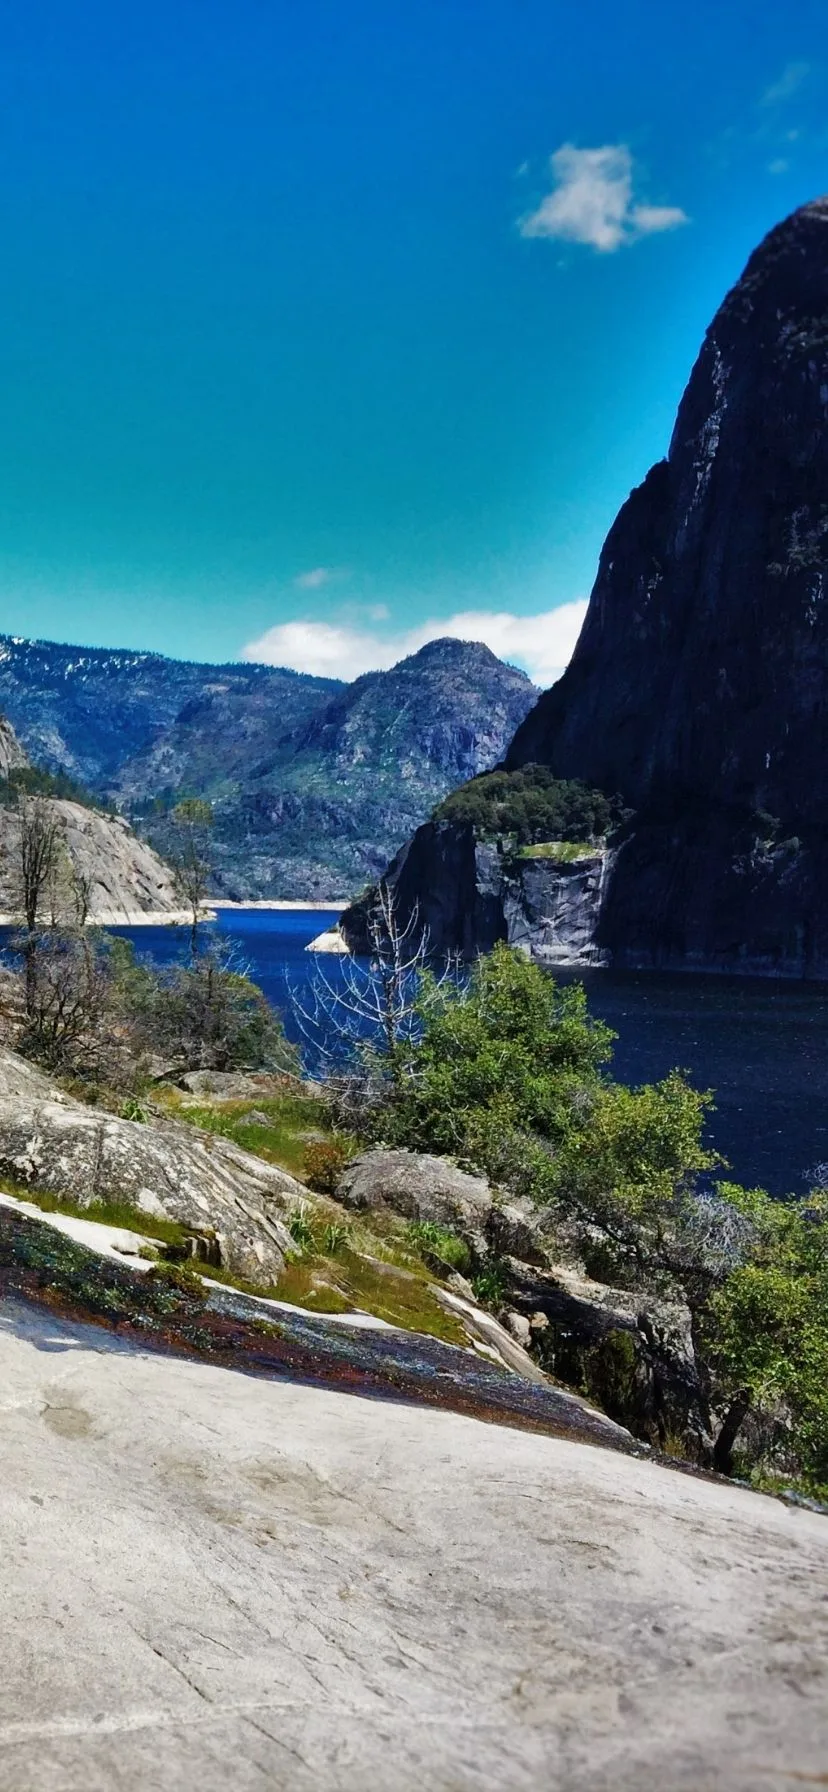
{"type": "Point", "coordinates": [333, 907]}
{"type": "Point", "coordinates": [182, 917]}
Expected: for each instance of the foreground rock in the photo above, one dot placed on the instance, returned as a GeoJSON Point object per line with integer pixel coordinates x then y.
{"type": "Point", "coordinates": [631, 1350]}
{"type": "Point", "coordinates": [233, 1203]}
{"type": "Point", "coordinates": [209, 1581]}
{"type": "Point", "coordinates": [432, 1190]}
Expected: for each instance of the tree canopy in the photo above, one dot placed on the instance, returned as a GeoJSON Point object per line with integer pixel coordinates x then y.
{"type": "Point", "coordinates": [531, 806]}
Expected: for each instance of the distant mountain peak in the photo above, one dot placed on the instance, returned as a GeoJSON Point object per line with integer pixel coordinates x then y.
{"type": "Point", "coordinates": [451, 651]}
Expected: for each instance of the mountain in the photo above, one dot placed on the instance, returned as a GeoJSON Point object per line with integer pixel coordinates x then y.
{"type": "Point", "coordinates": [699, 687]}
{"type": "Point", "coordinates": [316, 809]}
{"type": "Point", "coordinates": [314, 784]}
{"type": "Point", "coordinates": [89, 710]}
{"type": "Point", "coordinates": [702, 669]}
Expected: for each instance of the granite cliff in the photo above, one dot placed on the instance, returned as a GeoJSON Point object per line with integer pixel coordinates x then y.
{"type": "Point", "coordinates": [699, 687]}
{"type": "Point", "coordinates": [125, 878]}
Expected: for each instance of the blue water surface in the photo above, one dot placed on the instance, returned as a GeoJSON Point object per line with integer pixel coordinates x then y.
{"type": "Point", "coordinates": [761, 1045]}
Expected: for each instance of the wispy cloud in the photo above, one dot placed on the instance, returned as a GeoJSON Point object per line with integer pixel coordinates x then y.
{"type": "Point", "coordinates": [318, 577]}
{"type": "Point", "coordinates": [593, 201]}
{"type": "Point", "coordinates": [542, 644]}
{"type": "Point", "coordinates": [791, 79]}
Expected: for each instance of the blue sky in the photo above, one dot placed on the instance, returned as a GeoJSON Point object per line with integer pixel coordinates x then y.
{"type": "Point", "coordinates": [327, 326]}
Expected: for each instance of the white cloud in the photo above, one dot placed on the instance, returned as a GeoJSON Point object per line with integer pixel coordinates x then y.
{"type": "Point", "coordinates": [789, 83]}
{"type": "Point", "coordinates": [779, 165]}
{"type": "Point", "coordinates": [592, 201]}
{"type": "Point", "coordinates": [542, 644]}
{"type": "Point", "coordinates": [317, 577]}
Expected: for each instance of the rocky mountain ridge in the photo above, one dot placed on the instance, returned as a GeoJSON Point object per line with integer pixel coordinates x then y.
{"type": "Point", "coordinates": [314, 784]}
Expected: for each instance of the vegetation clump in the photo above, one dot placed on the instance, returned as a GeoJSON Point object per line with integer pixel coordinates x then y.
{"type": "Point", "coordinates": [94, 1012]}
{"type": "Point", "coordinates": [23, 781]}
{"type": "Point", "coordinates": [531, 806]}
{"type": "Point", "coordinates": [507, 1073]}
{"type": "Point", "coordinates": [325, 1160]}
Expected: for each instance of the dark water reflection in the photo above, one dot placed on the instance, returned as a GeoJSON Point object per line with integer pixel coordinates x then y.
{"type": "Point", "coordinates": [763, 1046]}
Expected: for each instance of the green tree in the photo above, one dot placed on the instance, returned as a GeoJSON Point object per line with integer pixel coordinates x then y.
{"type": "Point", "coordinates": [510, 1075]}
{"type": "Point", "coordinates": [531, 805]}
{"type": "Point", "coordinates": [512, 1051]}
{"type": "Point", "coordinates": [191, 859]}
{"type": "Point", "coordinates": [767, 1327]}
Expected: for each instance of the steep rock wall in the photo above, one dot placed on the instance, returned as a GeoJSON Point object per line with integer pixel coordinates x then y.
{"type": "Point", "coordinates": [699, 687]}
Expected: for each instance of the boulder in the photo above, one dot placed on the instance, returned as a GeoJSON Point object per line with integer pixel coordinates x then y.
{"type": "Point", "coordinates": [631, 1350]}
{"type": "Point", "coordinates": [433, 1189]}
{"type": "Point", "coordinates": [231, 1085]}
{"type": "Point", "coordinates": [233, 1203]}
{"type": "Point", "coordinates": [423, 1188]}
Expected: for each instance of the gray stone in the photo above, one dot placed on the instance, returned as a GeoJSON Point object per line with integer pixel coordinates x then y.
{"type": "Point", "coordinates": [231, 1085]}
{"type": "Point", "coordinates": [519, 1326]}
{"type": "Point", "coordinates": [215, 1581]}
{"type": "Point", "coordinates": [420, 1187]}
{"type": "Point", "coordinates": [208, 1184]}
{"type": "Point", "coordinates": [426, 1188]}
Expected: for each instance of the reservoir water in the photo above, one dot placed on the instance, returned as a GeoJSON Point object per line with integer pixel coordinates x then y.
{"type": "Point", "coordinates": [761, 1045]}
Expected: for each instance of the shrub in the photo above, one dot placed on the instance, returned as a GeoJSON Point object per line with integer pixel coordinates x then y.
{"type": "Point", "coordinates": [509, 1075]}
{"type": "Point", "coordinates": [767, 1325]}
{"type": "Point", "coordinates": [490, 1283]}
{"type": "Point", "coordinates": [335, 1236]}
{"type": "Point", "coordinates": [207, 1015]}
{"type": "Point", "coordinates": [325, 1160]}
{"type": "Point", "coordinates": [300, 1227]}
{"type": "Point", "coordinates": [179, 1278]}
{"type": "Point", "coordinates": [95, 1012]}
{"type": "Point", "coordinates": [439, 1246]}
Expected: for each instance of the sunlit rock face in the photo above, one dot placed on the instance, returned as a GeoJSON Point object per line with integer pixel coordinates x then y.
{"type": "Point", "coordinates": [699, 687]}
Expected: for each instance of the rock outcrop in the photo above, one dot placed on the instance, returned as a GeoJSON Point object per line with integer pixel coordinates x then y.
{"type": "Point", "coordinates": [631, 1350]}
{"type": "Point", "coordinates": [433, 1190]}
{"type": "Point", "coordinates": [698, 692]}
{"type": "Point", "coordinates": [699, 687]}
{"type": "Point", "coordinates": [467, 894]}
{"type": "Point", "coordinates": [125, 878]}
{"type": "Point", "coordinates": [234, 1204]}
{"type": "Point", "coordinates": [214, 1580]}
{"type": "Point", "coordinates": [122, 874]}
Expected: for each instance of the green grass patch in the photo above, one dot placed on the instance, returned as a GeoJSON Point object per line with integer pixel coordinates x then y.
{"type": "Point", "coordinates": [104, 1213]}
{"type": "Point", "coordinates": [294, 1122]}
{"type": "Point", "coordinates": [564, 851]}
{"type": "Point", "coordinates": [438, 1246]}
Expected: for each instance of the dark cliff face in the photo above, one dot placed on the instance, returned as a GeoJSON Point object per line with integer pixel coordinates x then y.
{"type": "Point", "coordinates": [699, 687]}
{"type": "Point", "coordinates": [702, 669]}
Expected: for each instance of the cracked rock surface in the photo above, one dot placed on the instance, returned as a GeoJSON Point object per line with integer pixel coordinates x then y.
{"type": "Point", "coordinates": [50, 1142]}
{"type": "Point", "coordinates": [212, 1581]}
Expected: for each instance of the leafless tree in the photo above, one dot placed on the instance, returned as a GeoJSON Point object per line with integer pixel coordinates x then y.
{"type": "Point", "coordinates": [190, 858]}
{"type": "Point", "coordinates": [41, 849]}
{"type": "Point", "coordinates": [359, 1017]}
{"type": "Point", "coordinates": [70, 1021]}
